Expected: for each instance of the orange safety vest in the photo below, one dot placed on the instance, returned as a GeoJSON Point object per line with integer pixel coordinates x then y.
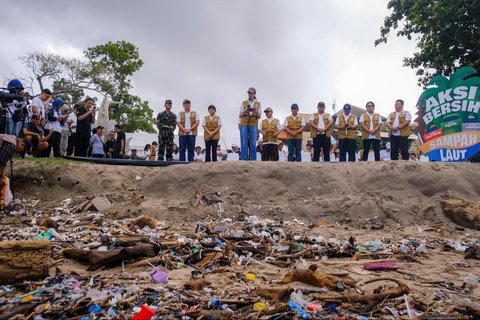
{"type": "Point", "coordinates": [351, 133]}
{"type": "Point", "coordinates": [270, 128]}
{"type": "Point", "coordinates": [253, 121]}
{"type": "Point", "coordinates": [294, 125]}
{"type": "Point", "coordinates": [405, 132]}
{"type": "Point", "coordinates": [211, 125]}
{"type": "Point", "coordinates": [313, 132]}
{"type": "Point", "coordinates": [192, 122]}
{"type": "Point", "coordinates": [366, 121]}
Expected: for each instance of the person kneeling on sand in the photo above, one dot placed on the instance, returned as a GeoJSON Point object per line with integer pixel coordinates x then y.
{"type": "Point", "coordinates": [32, 132]}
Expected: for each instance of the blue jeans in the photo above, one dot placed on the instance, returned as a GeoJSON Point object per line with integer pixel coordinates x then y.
{"type": "Point", "coordinates": [187, 143]}
{"type": "Point", "coordinates": [248, 139]}
{"type": "Point", "coordinates": [294, 144]}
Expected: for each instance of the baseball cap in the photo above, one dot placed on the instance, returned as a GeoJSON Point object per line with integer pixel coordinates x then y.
{"type": "Point", "coordinates": [100, 127]}
{"type": "Point", "coordinates": [168, 101]}
{"type": "Point", "coordinates": [252, 90]}
{"type": "Point", "coordinates": [294, 106]}
{"type": "Point", "coordinates": [347, 107]}
{"type": "Point", "coordinates": [321, 104]}
{"type": "Point", "coordinates": [186, 101]}
{"type": "Point", "coordinates": [268, 110]}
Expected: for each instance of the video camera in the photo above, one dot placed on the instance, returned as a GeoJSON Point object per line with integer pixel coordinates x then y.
{"type": "Point", "coordinates": [6, 97]}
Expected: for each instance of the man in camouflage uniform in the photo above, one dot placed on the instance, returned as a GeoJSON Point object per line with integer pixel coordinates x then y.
{"type": "Point", "coordinates": [166, 123]}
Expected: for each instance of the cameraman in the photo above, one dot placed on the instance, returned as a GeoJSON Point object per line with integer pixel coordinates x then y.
{"type": "Point", "coordinates": [15, 111]}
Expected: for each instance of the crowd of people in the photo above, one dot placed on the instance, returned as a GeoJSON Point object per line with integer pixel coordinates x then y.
{"type": "Point", "coordinates": [49, 127]}
{"type": "Point", "coordinates": [269, 147]}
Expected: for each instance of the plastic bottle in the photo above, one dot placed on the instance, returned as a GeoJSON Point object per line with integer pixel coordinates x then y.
{"type": "Point", "coordinates": [295, 307]}
{"type": "Point", "coordinates": [297, 297]}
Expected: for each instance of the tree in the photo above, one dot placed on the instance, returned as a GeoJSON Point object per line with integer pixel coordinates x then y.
{"type": "Point", "coordinates": [446, 32]}
{"type": "Point", "coordinates": [106, 69]}
{"type": "Point", "coordinates": [111, 66]}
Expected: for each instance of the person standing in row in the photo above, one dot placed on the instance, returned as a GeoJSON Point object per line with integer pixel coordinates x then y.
{"type": "Point", "coordinates": [187, 122]}
{"type": "Point", "coordinates": [346, 124]}
{"type": "Point", "coordinates": [250, 113]}
{"type": "Point", "coordinates": [270, 129]}
{"type": "Point", "coordinates": [85, 119]}
{"type": "Point", "coordinates": [166, 123]}
{"type": "Point", "coordinates": [294, 126]}
{"type": "Point", "coordinates": [321, 131]}
{"type": "Point", "coordinates": [211, 124]}
{"type": "Point", "coordinates": [120, 142]}
{"type": "Point", "coordinates": [371, 123]}
{"type": "Point", "coordinates": [398, 123]}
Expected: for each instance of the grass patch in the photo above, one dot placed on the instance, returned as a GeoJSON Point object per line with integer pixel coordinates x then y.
{"type": "Point", "coordinates": [44, 160]}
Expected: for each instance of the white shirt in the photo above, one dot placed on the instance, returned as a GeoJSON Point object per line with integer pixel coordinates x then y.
{"type": "Point", "coordinates": [306, 156]}
{"type": "Point", "coordinates": [188, 125]}
{"type": "Point", "coordinates": [362, 119]}
{"type": "Point", "coordinates": [37, 102]}
{"type": "Point", "coordinates": [321, 124]}
{"type": "Point", "coordinates": [204, 123]}
{"type": "Point", "coordinates": [396, 122]}
{"type": "Point", "coordinates": [176, 156]}
{"type": "Point", "coordinates": [355, 122]}
{"type": "Point", "coordinates": [55, 125]}
{"type": "Point", "coordinates": [72, 119]}
{"type": "Point", "coordinates": [198, 157]}
{"type": "Point", "coordinates": [285, 122]}
{"type": "Point", "coordinates": [385, 154]}
{"type": "Point", "coordinates": [279, 127]}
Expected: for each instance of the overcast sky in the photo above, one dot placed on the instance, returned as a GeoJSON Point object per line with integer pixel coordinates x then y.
{"type": "Point", "coordinates": [211, 51]}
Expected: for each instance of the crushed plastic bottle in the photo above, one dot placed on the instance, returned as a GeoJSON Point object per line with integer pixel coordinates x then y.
{"type": "Point", "coordinates": [146, 313]}
{"type": "Point", "coordinates": [297, 308]}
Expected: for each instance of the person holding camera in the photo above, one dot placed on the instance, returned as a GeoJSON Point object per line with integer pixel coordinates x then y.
{"type": "Point", "coordinates": [33, 132]}
{"type": "Point", "coordinates": [250, 113]}
{"type": "Point", "coordinates": [15, 110]}
{"type": "Point", "coordinates": [85, 119]}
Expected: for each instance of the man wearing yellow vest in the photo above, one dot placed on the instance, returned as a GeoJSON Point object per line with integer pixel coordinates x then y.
{"type": "Point", "coordinates": [211, 124]}
{"type": "Point", "coordinates": [270, 129]}
{"type": "Point", "coordinates": [370, 123]}
{"type": "Point", "coordinates": [187, 122]}
{"type": "Point", "coordinates": [398, 123]}
{"type": "Point", "coordinates": [294, 126]}
{"type": "Point", "coordinates": [321, 130]}
{"type": "Point", "coordinates": [346, 124]}
{"type": "Point", "coordinates": [250, 112]}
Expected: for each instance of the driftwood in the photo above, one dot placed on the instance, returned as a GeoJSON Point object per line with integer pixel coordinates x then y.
{"type": "Point", "coordinates": [274, 295]}
{"type": "Point", "coordinates": [399, 291]}
{"type": "Point", "coordinates": [210, 314]}
{"type": "Point", "coordinates": [97, 259]}
{"type": "Point", "coordinates": [22, 260]}
{"type": "Point", "coordinates": [20, 309]}
{"type": "Point", "coordinates": [311, 276]}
